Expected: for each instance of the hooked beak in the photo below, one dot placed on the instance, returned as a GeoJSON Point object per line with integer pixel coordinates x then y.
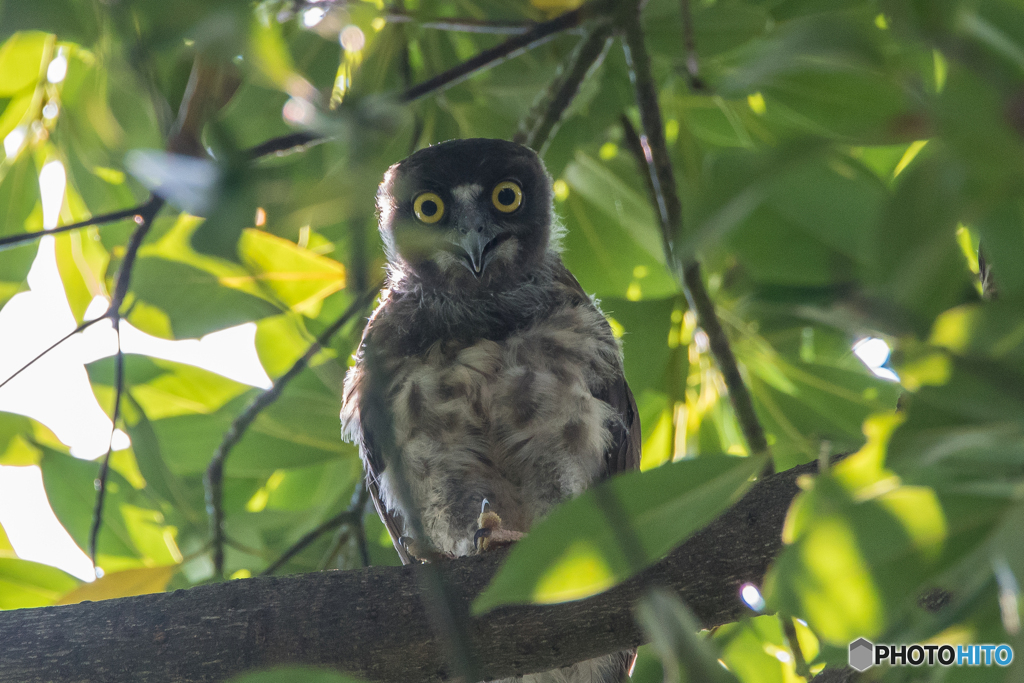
{"type": "Point", "coordinates": [474, 244]}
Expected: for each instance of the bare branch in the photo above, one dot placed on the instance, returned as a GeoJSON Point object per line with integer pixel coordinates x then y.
{"type": "Point", "coordinates": [15, 240]}
{"type": "Point", "coordinates": [692, 65]}
{"type": "Point", "coordinates": [462, 24]}
{"type": "Point", "coordinates": [81, 328]}
{"type": "Point", "coordinates": [101, 478]}
{"type": "Point", "coordinates": [799, 661]}
{"type": "Point", "coordinates": [285, 144]}
{"type": "Point", "coordinates": [666, 199]}
{"type": "Point", "coordinates": [540, 125]}
{"type": "Point", "coordinates": [539, 34]}
{"type": "Point", "coordinates": [535, 35]}
{"type": "Point", "coordinates": [351, 515]}
{"type": "Point", "coordinates": [121, 283]}
{"type": "Point", "coordinates": [215, 470]}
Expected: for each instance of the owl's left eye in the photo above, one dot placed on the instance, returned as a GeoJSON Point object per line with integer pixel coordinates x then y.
{"type": "Point", "coordinates": [507, 196]}
{"type": "Point", "coordinates": [428, 207]}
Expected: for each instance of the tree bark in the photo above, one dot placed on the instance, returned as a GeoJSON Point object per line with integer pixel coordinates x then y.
{"type": "Point", "coordinates": [372, 622]}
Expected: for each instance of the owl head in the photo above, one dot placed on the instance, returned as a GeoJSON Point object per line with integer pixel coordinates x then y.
{"type": "Point", "coordinates": [466, 214]}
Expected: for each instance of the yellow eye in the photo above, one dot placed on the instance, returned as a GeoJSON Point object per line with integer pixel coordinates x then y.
{"type": "Point", "coordinates": [428, 207]}
{"type": "Point", "coordinates": [507, 196]}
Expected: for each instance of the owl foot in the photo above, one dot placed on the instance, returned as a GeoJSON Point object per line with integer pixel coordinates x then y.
{"type": "Point", "coordinates": [491, 534]}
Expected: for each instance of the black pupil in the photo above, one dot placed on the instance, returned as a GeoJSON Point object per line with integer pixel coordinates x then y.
{"type": "Point", "coordinates": [507, 197]}
{"type": "Point", "coordinates": [428, 208]}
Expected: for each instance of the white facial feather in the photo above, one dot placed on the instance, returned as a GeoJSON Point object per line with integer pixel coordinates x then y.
{"type": "Point", "coordinates": [467, 194]}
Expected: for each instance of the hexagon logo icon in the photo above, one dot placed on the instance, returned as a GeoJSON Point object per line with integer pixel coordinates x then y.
{"type": "Point", "coordinates": [862, 653]}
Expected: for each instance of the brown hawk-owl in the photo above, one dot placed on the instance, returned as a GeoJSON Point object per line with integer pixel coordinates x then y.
{"type": "Point", "coordinates": [485, 369]}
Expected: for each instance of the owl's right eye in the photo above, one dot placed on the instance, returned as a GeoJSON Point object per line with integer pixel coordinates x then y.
{"type": "Point", "coordinates": [428, 207]}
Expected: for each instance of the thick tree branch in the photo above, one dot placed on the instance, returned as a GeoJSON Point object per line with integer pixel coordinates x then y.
{"type": "Point", "coordinates": [372, 622]}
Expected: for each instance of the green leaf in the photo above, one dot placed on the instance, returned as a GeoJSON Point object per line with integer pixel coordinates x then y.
{"type": "Point", "coordinates": [197, 303]}
{"type": "Point", "coordinates": [299, 429]}
{"type": "Point", "coordinates": [672, 629]}
{"type": "Point", "coordinates": [862, 546]}
{"type": "Point", "coordinates": [576, 551]}
{"type": "Point", "coordinates": [31, 584]}
{"type": "Point", "coordinates": [824, 74]}
{"type": "Point", "coordinates": [19, 197]}
{"type": "Point", "coordinates": [159, 477]}
{"type": "Point", "coordinates": [294, 674]}
{"type": "Point", "coordinates": [21, 61]}
{"type": "Point", "coordinates": [280, 341]}
{"type": "Point", "coordinates": [756, 649]}
{"type": "Point", "coordinates": [122, 584]}
{"type": "Point", "coordinates": [300, 278]}
{"type": "Point", "coordinates": [69, 488]}
{"type": "Point", "coordinates": [75, 20]}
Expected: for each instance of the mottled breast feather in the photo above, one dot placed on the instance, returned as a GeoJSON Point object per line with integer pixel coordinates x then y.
{"type": "Point", "coordinates": [529, 412]}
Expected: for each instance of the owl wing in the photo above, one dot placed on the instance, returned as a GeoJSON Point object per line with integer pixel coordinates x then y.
{"type": "Point", "coordinates": [392, 520]}
{"type": "Point", "coordinates": [624, 453]}
{"type": "Point", "coordinates": [375, 419]}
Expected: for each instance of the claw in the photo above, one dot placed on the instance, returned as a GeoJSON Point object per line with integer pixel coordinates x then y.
{"type": "Point", "coordinates": [480, 534]}
{"type": "Point", "coordinates": [484, 504]}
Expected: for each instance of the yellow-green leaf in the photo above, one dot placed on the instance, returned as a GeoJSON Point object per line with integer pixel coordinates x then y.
{"type": "Point", "coordinates": [122, 584]}
{"type": "Point", "coordinates": [299, 277]}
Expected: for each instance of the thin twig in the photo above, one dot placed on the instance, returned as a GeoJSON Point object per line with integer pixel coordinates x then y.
{"type": "Point", "coordinates": [121, 283]}
{"type": "Point", "coordinates": [539, 126]}
{"type": "Point", "coordinates": [742, 402]}
{"type": "Point", "coordinates": [123, 279]}
{"type": "Point", "coordinates": [343, 517]}
{"type": "Point", "coordinates": [534, 36]}
{"type": "Point", "coordinates": [81, 328]}
{"type": "Point", "coordinates": [789, 632]}
{"type": "Point", "coordinates": [360, 531]}
{"type": "Point", "coordinates": [666, 200]}
{"type": "Point", "coordinates": [358, 505]}
{"type": "Point", "coordinates": [539, 34]}
{"type": "Point", "coordinates": [215, 471]}
{"type": "Point", "coordinates": [342, 536]}
{"type": "Point", "coordinates": [632, 141]}
{"type": "Point", "coordinates": [352, 515]}
{"type": "Point", "coordinates": [101, 478]}
{"type": "Point", "coordinates": [462, 24]}
{"type": "Point", "coordinates": [692, 65]}
{"type": "Point", "coordinates": [15, 240]}
{"type": "Point", "coordinates": [407, 79]}
{"type": "Point", "coordinates": [285, 144]}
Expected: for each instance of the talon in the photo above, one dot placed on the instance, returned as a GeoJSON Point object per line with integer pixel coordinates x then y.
{"type": "Point", "coordinates": [484, 504]}
{"type": "Point", "coordinates": [480, 534]}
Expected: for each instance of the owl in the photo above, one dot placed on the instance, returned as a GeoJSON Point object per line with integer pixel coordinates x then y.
{"type": "Point", "coordinates": [486, 378]}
